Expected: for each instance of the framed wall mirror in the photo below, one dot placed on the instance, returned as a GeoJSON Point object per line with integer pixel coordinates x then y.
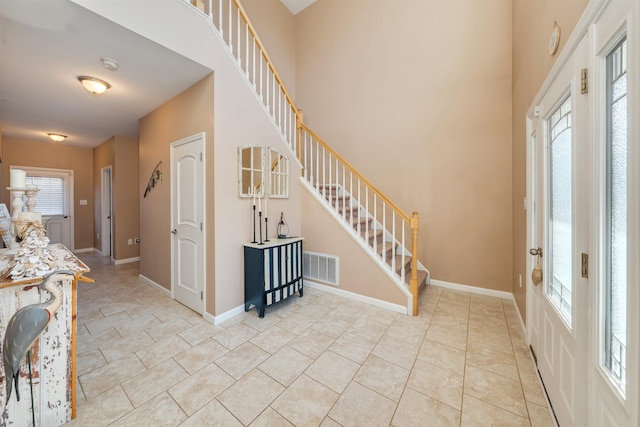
{"type": "Point", "coordinates": [278, 174]}
{"type": "Point", "coordinates": [251, 176]}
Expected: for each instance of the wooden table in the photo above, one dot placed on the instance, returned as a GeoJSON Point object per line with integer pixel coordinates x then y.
{"type": "Point", "coordinates": [53, 356]}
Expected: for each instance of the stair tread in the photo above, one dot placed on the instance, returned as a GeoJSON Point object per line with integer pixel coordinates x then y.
{"type": "Point", "coordinates": [363, 220]}
{"type": "Point", "coordinates": [363, 230]}
{"type": "Point", "coordinates": [399, 266]}
{"type": "Point", "coordinates": [386, 247]}
{"type": "Point", "coordinates": [349, 210]}
{"type": "Point", "coordinates": [422, 278]}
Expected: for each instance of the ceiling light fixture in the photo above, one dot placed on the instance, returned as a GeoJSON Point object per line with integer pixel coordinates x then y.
{"type": "Point", "coordinates": [94, 85]}
{"type": "Point", "coordinates": [57, 137]}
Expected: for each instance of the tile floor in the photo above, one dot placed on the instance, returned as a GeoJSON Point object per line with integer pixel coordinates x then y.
{"type": "Point", "coordinates": [319, 360]}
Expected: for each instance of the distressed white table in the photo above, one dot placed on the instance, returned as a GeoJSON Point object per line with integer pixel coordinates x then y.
{"type": "Point", "coordinates": [53, 356]}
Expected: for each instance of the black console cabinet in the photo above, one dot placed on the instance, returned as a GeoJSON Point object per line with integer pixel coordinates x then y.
{"type": "Point", "coordinates": [272, 272]}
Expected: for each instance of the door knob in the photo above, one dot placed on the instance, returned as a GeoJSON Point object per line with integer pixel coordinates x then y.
{"type": "Point", "coordinates": [536, 251]}
{"type": "Point", "coordinates": [536, 274]}
{"type": "Point", "coordinates": [174, 231]}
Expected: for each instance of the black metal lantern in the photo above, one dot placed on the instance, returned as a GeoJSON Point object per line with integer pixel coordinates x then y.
{"type": "Point", "coordinates": [283, 228]}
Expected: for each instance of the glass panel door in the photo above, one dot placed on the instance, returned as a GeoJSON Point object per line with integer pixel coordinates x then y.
{"type": "Point", "coordinates": [615, 297]}
{"type": "Point", "coordinates": [559, 286]}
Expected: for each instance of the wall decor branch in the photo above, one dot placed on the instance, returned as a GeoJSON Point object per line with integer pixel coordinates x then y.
{"type": "Point", "coordinates": [156, 176]}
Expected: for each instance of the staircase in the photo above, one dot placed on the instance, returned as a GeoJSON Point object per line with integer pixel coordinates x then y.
{"type": "Point", "coordinates": [370, 232]}
{"type": "Point", "coordinates": [389, 235]}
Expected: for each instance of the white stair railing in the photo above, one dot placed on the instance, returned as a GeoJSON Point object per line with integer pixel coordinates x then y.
{"type": "Point", "coordinates": [390, 233]}
{"type": "Point", "coordinates": [238, 34]}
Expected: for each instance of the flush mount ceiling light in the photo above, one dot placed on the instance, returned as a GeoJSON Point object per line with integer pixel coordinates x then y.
{"type": "Point", "coordinates": [57, 137]}
{"type": "Point", "coordinates": [94, 85]}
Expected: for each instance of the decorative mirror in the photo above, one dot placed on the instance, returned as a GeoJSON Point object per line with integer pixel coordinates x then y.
{"type": "Point", "coordinates": [251, 171]}
{"type": "Point", "coordinates": [278, 174]}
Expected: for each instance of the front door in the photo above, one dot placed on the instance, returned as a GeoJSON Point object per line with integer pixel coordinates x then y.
{"type": "Point", "coordinates": [584, 215]}
{"type": "Point", "coordinates": [187, 222]}
{"type": "Point", "coordinates": [560, 321]}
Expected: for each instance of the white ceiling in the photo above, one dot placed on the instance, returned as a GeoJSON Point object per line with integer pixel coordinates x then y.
{"type": "Point", "coordinates": [45, 45]}
{"type": "Point", "coordinates": [296, 6]}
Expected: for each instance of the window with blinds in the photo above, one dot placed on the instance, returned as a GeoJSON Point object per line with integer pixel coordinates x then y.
{"type": "Point", "coordinates": [50, 198]}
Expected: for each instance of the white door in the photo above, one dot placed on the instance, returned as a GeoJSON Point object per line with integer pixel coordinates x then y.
{"type": "Point", "coordinates": [106, 211]}
{"type": "Point", "coordinates": [615, 360]}
{"type": "Point", "coordinates": [54, 202]}
{"type": "Point", "coordinates": [187, 219]}
{"type": "Point", "coordinates": [560, 309]}
{"type": "Point", "coordinates": [585, 194]}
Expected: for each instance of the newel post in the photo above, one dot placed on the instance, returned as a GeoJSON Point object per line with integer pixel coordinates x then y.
{"type": "Point", "coordinates": [413, 281]}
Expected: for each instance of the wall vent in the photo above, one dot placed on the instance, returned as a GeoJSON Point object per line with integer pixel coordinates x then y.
{"type": "Point", "coordinates": [321, 267]}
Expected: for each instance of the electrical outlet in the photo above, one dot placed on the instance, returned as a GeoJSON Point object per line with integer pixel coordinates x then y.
{"type": "Point", "coordinates": [130, 242]}
{"type": "Point", "coordinates": [137, 240]}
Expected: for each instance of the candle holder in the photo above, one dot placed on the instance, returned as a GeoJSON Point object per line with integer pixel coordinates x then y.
{"type": "Point", "coordinates": [266, 228]}
{"type": "Point", "coordinates": [254, 224]}
{"type": "Point", "coordinates": [16, 193]}
{"type": "Point", "coordinates": [260, 222]}
{"type": "Point", "coordinates": [31, 198]}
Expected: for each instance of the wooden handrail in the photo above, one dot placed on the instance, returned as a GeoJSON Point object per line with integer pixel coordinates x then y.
{"type": "Point", "coordinates": [300, 127]}
{"type": "Point", "coordinates": [254, 33]}
{"type": "Point", "coordinates": [368, 183]}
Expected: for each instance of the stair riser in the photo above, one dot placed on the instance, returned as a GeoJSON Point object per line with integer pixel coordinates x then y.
{"type": "Point", "coordinates": [340, 202]}
{"type": "Point", "coordinates": [349, 212]}
{"type": "Point", "coordinates": [389, 253]}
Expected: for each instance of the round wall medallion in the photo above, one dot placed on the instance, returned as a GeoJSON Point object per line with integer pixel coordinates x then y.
{"type": "Point", "coordinates": [554, 40]}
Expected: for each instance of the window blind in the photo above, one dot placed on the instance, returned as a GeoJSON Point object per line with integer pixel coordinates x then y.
{"type": "Point", "coordinates": [50, 198]}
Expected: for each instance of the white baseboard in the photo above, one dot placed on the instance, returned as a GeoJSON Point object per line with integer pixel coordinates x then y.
{"type": "Point", "coordinates": [362, 298]}
{"type": "Point", "coordinates": [216, 320]}
{"type": "Point", "coordinates": [522, 325]}
{"type": "Point", "coordinates": [472, 289]}
{"type": "Point", "coordinates": [84, 250]}
{"type": "Point", "coordinates": [126, 260]}
{"type": "Point", "coordinates": [153, 284]}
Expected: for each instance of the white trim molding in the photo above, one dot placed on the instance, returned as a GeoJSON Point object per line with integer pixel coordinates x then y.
{"type": "Point", "coordinates": [473, 289]}
{"type": "Point", "coordinates": [357, 297]}
{"type": "Point", "coordinates": [216, 320]}
{"type": "Point", "coordinates": [147, 281]}
{"type": "Point", "coordinates": [85, 250]}
{"type": "Point", "coordinates": [126, 260]}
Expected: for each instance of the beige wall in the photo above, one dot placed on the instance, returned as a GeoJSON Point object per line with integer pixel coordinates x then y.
{"type": "Point", "coordinates": [275, 25]}
{"type": "Point", "coordinates": [126, 198]}
{"type": "Point", "coordinates": [186, 114]}
{"type": "Point", "coordinates": [417, 96]}
{"type": "Point", "coordinates": [532, 25]}
{"type": "Point", "coordinates": [103, 156]}
{"type": "Point", "coordinates": [20, 152]}
{"type": "Point", "coordinates": [121, 153]}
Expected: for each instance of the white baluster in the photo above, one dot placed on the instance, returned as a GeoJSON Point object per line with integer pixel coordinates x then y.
{"type": "Point", "coordinates": [403, 272]}
{"type": "Point", "coordinates": [230, 29]}
{"type": "Point", "coordinates": [393, 239]}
